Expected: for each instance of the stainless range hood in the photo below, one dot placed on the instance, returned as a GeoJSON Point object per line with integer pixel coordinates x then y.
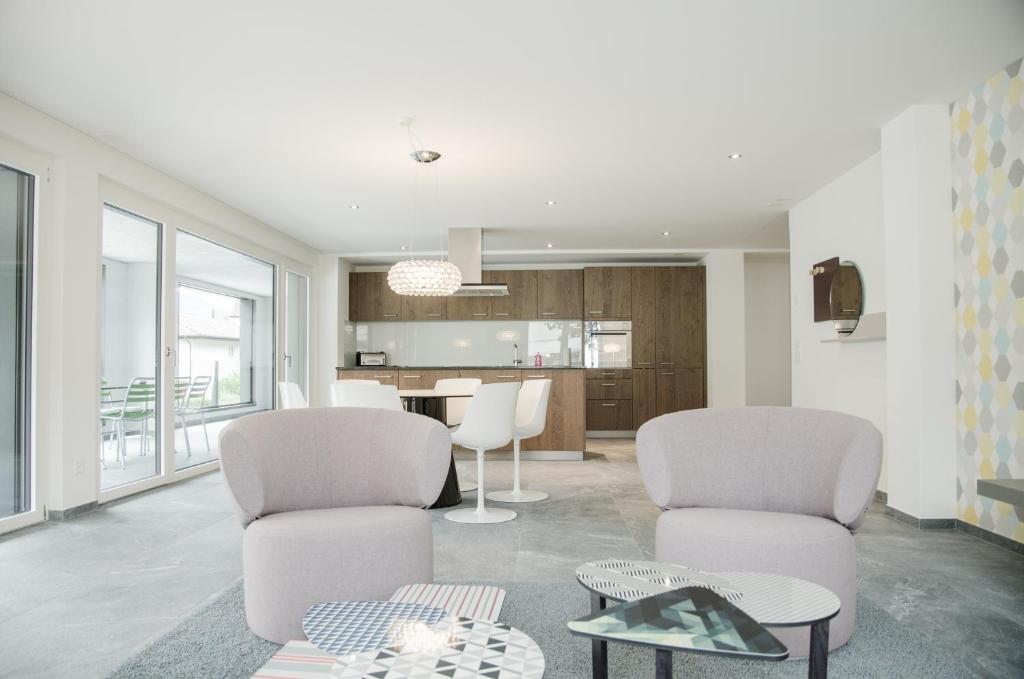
{"type": "Point", "coordinates": [465, 250]}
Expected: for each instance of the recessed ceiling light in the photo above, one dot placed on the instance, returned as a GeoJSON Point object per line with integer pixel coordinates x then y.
{"type": "Point", "coordinates": [666, 233]}
{"type": "Point", "coordinates": [735, 156]}
{"type": "Point", "coordinates": [551, 202]}
{"type": "Point", "coordinates": [551, 245]}
{"type": "Point", "coordinates": [353, 206]}
{"type": "Point", "coordinates": [403, 247]}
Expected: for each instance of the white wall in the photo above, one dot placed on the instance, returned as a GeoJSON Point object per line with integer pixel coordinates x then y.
{"type": "Point", "coordinates": [75, 170]}
{"type": "Point", "coordinates": [726, 320]}
{"type": "Point", "coordinates": [917, 182]}
{"type": "Point", "coordinates": [842, 219]}
{"type": "Point", "coordinates": [769, 374]}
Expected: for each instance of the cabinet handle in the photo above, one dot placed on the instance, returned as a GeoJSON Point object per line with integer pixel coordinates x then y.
{"type": "Point", "coordinates": [547, 313]}
{"type": "Point", "coordinates": [609, 405]}
{"type": "Point", "coordinates": [383, 377]}
{"type": "Point", "coordinates": [596, 311]}
{"type": "Point", "coordinates": [437, 315]}
{"type": "Point", "coordinates": [666, 373]}
{"type": "Point", "coordinates": [498, 313]}
{"type": "Point", "coordinates": [607, 384]}
{"type": "Point", "coordinates": [506, 377]}
{"type": "Point", "coordinates": [643, 362]}
{"type": "Point", "coordinates": [390, 315]}
{"type": "Point", "coordinates": [479, 313]}
{"type": "Point", "coordinates": [607, 374]}
{"type": "Point", "coordinates": [412, 377]}
{"type": "Point", "coordinates": [668, 363]}
{"type": "Point", "coordinates": [535, 377]}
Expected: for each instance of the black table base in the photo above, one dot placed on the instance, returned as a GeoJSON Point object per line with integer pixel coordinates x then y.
{"type": "Point", "coordinates": [434, 407]}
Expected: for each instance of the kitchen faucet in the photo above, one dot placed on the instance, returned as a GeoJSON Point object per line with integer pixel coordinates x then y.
{"type": "Point", "coordinates": [515, 355]}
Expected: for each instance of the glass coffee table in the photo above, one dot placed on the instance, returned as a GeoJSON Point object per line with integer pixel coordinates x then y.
{"type": "Point", "coordinates": [692, 619]}
{"type": "Point", "coordinates": [771, 600]}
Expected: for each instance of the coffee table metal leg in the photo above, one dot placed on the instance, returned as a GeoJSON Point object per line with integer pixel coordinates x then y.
{"type": "Point", "coordinates": [817, 666]}
{"type": "Point", "coordinates": [662, 664]}
{"type": "Point", "coordinates": [598, 649]}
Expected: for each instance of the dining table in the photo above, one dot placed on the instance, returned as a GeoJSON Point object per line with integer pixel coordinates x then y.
{"type": "Point", "coordinates": [433, 403]}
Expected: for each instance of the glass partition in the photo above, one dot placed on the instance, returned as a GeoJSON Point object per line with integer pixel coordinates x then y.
{"type": "Point", "coordinates": [16, 201]}
{"type": "Point", "coordinates": [225, 350]}
{"type": "Point", "coordinates": [129, 389]}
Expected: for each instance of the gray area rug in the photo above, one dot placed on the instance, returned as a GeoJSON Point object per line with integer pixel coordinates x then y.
{"type": "Point", "coordinates": [216, 643]}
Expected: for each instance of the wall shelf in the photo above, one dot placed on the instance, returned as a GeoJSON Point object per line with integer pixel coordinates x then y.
{"type": "Point", "coordinates": [870, 328]}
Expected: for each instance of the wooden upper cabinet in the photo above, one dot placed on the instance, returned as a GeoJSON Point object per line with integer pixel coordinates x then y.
{"type": "Point", "coordinates": [521, 302]}
{"type": "Point", "coordinates": [606, 293]}
{"type": "Point", "coordinates": [643, 288]}
{"type": "Point", "coordinates": [679, 325]}
{"type": "Point", "coordinates": [560, 294]}
{"type": "Point", "coordinates": [469, 308]}
{"type": "Point", "coordinates": [371, 299]}
{"type": "Point", "coordinates": [424, 308]}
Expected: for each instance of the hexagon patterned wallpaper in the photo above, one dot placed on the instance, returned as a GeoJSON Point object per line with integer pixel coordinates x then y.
{"type": "Point", "coordinates": [988, 222]}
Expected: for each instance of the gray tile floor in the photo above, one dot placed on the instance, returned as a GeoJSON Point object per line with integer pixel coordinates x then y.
{"type": "Point", "coordinates": [80, 596]}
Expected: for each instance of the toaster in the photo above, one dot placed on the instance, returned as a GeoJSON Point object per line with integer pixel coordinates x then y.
{"type": "Point", "coordinates": [371, 358]}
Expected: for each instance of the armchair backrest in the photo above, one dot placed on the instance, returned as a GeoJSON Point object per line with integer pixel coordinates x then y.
{"type": "Point", "coordinates": [795, 460]}
{"type": "Point", "coordinates": [321, 458]}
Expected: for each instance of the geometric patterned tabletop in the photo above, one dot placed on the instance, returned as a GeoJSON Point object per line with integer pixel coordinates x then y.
{"type": "Point", "coordinates": [481, 602]}
{"type": "Point", "coordinates": [455, 648]}
{"type": "Point", "coordinates": [781, 601]}
{"type": "Point", "coordinates": [629, 580]}
{"type": "Point", "coordinates": [693, 619]}
{"type": "Point", "coordinates": [345, 627]}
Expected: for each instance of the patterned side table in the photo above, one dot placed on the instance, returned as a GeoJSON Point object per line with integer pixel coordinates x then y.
{"type": "Point", "coordinates": [455, 647]}
{"type": "Point", "coordinates": [771, 600]}
{"type": "Point", "coordinates": [346, 627]}
{"type": "Point", "coordinates": [480, 602]}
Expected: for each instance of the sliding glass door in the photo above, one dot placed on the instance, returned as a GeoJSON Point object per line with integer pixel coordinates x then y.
{"type": "Point", "coordinates": [129, 389]}
{"type": "Point", "coordinates": [225, 345]}
{"type": "Point", "coordinates": [16, 218]}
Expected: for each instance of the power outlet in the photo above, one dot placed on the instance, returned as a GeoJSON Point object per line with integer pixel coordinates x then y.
{"type": "Point", "coordinates": [79, 467]}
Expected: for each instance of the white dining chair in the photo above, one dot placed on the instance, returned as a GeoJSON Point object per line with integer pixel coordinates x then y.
{"type": "Point", "coordinates": [455, 407]}
{"type": "Point", "coordinates": [365, 396]}
{"type": "Point", "coordinates": [487, 425]}
{"type": "Point", "coordinates": [531, 415]}
{"type": "Point", "coordinates": [291, 396]}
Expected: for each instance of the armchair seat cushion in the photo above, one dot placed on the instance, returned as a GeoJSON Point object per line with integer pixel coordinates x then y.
{"type": "Point", "coordinates": [293, 560]}
{"type": "Point", "coordinates": [808, 547]}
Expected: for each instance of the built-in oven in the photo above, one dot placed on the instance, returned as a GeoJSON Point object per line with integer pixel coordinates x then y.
{"type": "Point", "coordinates": [364, 358]}
{"type": "Point", "coordinates": [607, 344]}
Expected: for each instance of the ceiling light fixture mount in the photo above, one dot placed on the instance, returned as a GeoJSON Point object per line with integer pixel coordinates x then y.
{"type": "Point", "coordinates": [666, 233]}
{"type": "Point", "coordinates": [735, 156]}
{"type": "Point", "coordinates": [550, 203]}
{"type": "Point", "coordinates": [550, 245]}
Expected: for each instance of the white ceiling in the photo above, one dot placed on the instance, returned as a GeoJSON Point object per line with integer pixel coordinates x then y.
{"type": "Point", "coordinates": [623, 113]}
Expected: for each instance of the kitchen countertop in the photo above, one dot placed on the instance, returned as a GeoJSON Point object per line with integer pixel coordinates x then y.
{"type": "Point", "coordinates": [461, 367]}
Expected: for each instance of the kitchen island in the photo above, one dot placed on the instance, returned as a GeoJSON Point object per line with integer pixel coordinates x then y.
{"type": "Point", "coordinates": [564, 436]}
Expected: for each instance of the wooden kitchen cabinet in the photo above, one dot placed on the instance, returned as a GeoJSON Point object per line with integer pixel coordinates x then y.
{"type": "Point", "coordinates": [606, 293]}
{"type": "Point", "coordinates": [679, 389]}
{"type": "Point", "coordinates": [424, 308]}
{"type": "Point", "coordinates": [564, 428]}
{"type": "Point", "coordinates": [679, 322]}
{"type": "Point", "coordinates": [382, 375]}
{"type": "Point", "coordinates": [469, 308]}
{"type": "Point", "coordinates": [560, 294]}
{"type": "Point", "coordinates": [370, 298]}
{"type": "Point", "coordinates": [521, 302]}
{"type": "Point", "coordinates": [645, 396]}
{"type": "Point", "coordinates": [494, 375]}
{"type": "Point", "coordinates": [644, 308]}
{"type": "Point", "coordinates": [609, 415]}
{"type": "Point", "coordinates": [414, 378]}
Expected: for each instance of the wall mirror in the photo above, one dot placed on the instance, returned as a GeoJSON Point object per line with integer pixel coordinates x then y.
{"type": "Point", "coordinates": [838, 294]}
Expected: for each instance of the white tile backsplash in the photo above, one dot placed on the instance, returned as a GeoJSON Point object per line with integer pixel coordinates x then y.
{"type": "Point", "coordinates": [472, 343]}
